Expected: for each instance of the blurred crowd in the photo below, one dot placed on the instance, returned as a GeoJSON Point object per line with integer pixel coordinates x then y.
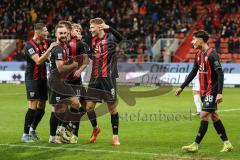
{"type": "Point", "coordinates": [141, 21]}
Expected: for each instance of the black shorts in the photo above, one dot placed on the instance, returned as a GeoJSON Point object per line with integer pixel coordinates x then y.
{"type": "Point", "coordinates": [79, 90]}
{"type": "Point", "coordinates": [102, 89]}
{"type": "Point", "coordinates": [58, 90]}
{"type": "Point", "coordinates": [56, 97]}
{"type": "Point", "coordinates": [36, 89]}
{"type": "Point", "coordinates": [209, 104]}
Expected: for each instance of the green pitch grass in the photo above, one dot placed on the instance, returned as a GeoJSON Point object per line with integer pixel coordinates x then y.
{"type": "Point", "coordinates": [156, 127]}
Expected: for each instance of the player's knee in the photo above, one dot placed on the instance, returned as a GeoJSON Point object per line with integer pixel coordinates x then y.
{"type": "Point", "coordinates": [204, 116]}
{"type": "Point", "coordinates": [90, 106]}
{"type": "Point", "coordinates": [33, 105]}
{"type": "Point", "coordinates": [214, 117]}
{"type": "Point", "coordinates": [112, 108]}
{"type": "Point", "coordinates": [60, 108]}
{"type": "Point", "coordinates": [41, 105]}
{"type": "Point", "coordinates": [75, 103]}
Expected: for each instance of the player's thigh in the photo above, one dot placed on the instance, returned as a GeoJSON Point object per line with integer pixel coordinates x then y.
{"type": "Point", "coordinates": [204, 115]}
{"type": "Point", "coordinates": [112, 107]}
{"type": "Point", "coordinates": [90, 105]}
{"type": "Point", "coordinates": [33, 104]}
{"type": "Point", "coordinates": [59, 108]}
{"type": "Point", "coordinates": [214, 116]}
{"type": "Point", "coordinates": [74, 102]}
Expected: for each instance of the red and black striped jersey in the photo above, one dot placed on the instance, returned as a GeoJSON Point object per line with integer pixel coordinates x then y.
{"type": "Point", "coordinates": [103, 56]}
{"type": "Point", "coordinates": [210, 72]}
{"type": "Point", "coordinates": [76, 50]}
{"type": "Point", "coordinates": [34, 71]}
{"type": "Point", "coordinates": [102, 51]}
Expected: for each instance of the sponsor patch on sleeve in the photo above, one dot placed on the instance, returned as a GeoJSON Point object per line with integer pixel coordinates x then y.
{"type": "Point", "coordinates": [59, 56]}
{"type": "Point", "coordinates": [31, 51]}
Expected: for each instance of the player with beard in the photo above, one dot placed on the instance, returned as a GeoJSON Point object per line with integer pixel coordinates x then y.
{"type": "Point", "coordinates": [60, 95]}
{"type": "Point", "coordinates": [77, 52]}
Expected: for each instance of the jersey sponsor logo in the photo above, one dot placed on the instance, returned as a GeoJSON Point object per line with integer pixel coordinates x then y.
{"type": "Point", "coordinates": [31, 51]}
{"type": "Point", "coordinates": [60, 56]}
{"type": "Point", "coordinates": [32, 94]}
{"type": "Point", "coordinates": [58, 99]}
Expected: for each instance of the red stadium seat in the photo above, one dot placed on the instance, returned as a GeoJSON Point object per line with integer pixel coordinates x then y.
{"type": "Point", "coordinates": [223, 45]}
{"type": "Point", "coordinates": [140, 60]}
{"type": "Point", "coordinates": [131, 60]}
{"type": "Point", "coordinates": [224, 50]}
{"type": "Point", "coordinates": [226, 56]}
{"type": "Point", "coordinates": [212, 45]}
{"type": "Point", "coordinates": [235, 56]}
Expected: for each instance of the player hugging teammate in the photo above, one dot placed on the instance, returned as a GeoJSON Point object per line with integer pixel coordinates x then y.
{"type": "Point", "coordinates": [69, 56]}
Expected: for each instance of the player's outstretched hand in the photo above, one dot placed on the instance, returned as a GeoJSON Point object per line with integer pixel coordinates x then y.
{"type": "Point", "coordinates": [178, 91]}
{"type": "Point", "coordinates": [219, 98]}
{"type": "Point", "coordinates": [53, 44]}
{"type": "Point", "coordinates": [103, 26]}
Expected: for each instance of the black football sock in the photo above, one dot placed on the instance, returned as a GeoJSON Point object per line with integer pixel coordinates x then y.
{"type": "Point", "coordinates": [29, 117]}
{"type": "Point", "coordinates": [76, 123]}
{"type": "Point", "coordinates": [92, 117]}
{"type": "Point", "coordinates": [53, 124]}
{"type": "Point", "coordinates": [82, 110]}
{"type": "Point", "coordinates": [38, 116]}
{"type": "Point", "coordinates": [220, 130]}
{"type": "Point", "coordinates": [201, 132]}
{"type": "Point", "coordinates": [115, 123]}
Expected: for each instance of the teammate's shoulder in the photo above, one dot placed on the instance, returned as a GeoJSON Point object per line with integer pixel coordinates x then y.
{"type": "Point", "coordinates": [28, 45]}
{"type": "Point", "coordinates": [213, 52]}
{"type": "Point", "coordinates": [57, 49]}
{"type": "Point", "coordinates": [49, 41]}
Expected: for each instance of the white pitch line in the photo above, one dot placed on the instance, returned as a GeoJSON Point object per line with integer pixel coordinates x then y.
{"type": "Point", "coordinates": [9, 94]}
{"type": "Point", "coordinates": [229, 110]}
{"type": "Point", "coordinates": [98, 151]}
